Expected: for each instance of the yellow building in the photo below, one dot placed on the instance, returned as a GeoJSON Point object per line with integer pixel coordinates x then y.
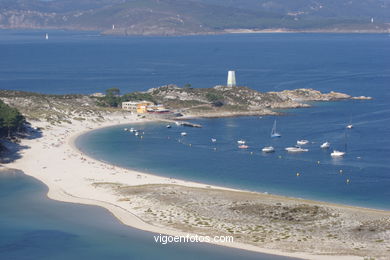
{"type": "Point", "coordinates": [142, 107]}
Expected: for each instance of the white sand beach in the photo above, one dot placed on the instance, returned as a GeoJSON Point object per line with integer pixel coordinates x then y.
{"type": "Point", "coordinates": [70, 176]}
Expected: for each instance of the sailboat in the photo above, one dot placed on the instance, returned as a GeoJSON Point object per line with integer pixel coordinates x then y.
{"type": "Point", "coordinates": [350, 125]}
{"type": "Point", "coordinates": [273, 131]}
{"type": "Point", "coordinates": [337, 153]}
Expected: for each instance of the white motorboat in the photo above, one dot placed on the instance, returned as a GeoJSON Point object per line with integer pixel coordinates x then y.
{"type": "Point", "coordinates": [302, 142]}
{"type": "Point", "coordinates": [136, 133]}
{"type": "Point", "coordinates": [183, 133]}
{"type": "Point", "coordinates": [168, 126]}
{"type": "Point", "coordinates": [268, 149]}
{"type": "Point", "coordinates": [213, 140]}
{"type": "Point", "coordinates": [125, 129]}
{"type": "Point", "coordinates": [325, 145]}
{"type": "Point", "coordinates": [336, 153]}
{"type": "Point", "coordinates": [241, 141]}
{"type": "Point", "coordinates": [296, 149]}
{"type": "Point", "coordinates": [132, 130]}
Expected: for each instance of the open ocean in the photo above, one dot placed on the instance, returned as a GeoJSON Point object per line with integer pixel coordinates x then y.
{"type": "Point", "coordinates": [84, 62]}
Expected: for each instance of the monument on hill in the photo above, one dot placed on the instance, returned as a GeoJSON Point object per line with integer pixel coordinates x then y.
{"type": "Point", "coordinates": [231, 80]}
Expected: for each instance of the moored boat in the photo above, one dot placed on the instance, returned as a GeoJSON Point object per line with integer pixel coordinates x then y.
{"type": "Point", "coordinates": [337, 153]}
{"type": "Point", "coordinates": [268, 149]}
{"type": "Point", "coordinates": [296, 149]}
{"type": "Point", "coordinates": [302, 142]}
{"type": "Point", "coordinates": [325, 145]}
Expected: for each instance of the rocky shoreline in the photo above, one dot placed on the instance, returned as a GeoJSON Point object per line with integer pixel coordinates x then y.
{"type": "Point", "coordinates": [219, 101]}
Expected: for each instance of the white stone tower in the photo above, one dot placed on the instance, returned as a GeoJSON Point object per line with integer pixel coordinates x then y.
{"type": "Point", "coordinates": [231, 80]}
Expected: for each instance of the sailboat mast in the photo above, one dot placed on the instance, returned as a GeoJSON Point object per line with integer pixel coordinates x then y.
{"type": "Point", "coordinates": [345, 141]}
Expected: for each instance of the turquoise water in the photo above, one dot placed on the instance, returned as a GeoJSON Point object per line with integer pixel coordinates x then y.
{"type": "Point", "coordinates": [163, 151]}
{"type": "Point", "coordinates": [34, 227]}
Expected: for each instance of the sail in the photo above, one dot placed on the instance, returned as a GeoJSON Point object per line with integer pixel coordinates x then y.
{"type": "Point", "coordinates": [273, 131]}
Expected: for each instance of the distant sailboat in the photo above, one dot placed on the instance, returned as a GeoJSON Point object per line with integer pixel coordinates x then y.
{"type": "Point", "coordinates": [273, 131]}
{"type": "Point", "coordinates": [47, 36]}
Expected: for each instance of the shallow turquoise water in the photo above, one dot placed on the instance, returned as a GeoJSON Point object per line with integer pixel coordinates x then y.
{"type": "Point", "coordinates": [164, 152]}
{"type": "Point", "coordinates": [34, 227]}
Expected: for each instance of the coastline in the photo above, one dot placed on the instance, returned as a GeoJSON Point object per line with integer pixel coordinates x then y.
{"type": "Point", "coordinates": [55, 160]}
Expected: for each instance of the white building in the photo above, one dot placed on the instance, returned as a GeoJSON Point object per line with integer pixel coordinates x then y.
{"type": "Point", "coordinates": [130, 106]}
{"type": "Point", "coordinates": [231, 80]}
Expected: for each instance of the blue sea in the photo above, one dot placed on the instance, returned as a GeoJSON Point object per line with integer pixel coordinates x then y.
{"type": "Point", "coordinates": [85, 62]}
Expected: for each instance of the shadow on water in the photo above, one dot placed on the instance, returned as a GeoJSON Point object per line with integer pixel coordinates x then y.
{"type": "Point", "coordinates": [34, 227]}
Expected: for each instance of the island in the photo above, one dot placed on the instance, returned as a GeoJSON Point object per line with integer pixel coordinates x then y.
{"type": "Point", "coordinates": [257, 221]}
